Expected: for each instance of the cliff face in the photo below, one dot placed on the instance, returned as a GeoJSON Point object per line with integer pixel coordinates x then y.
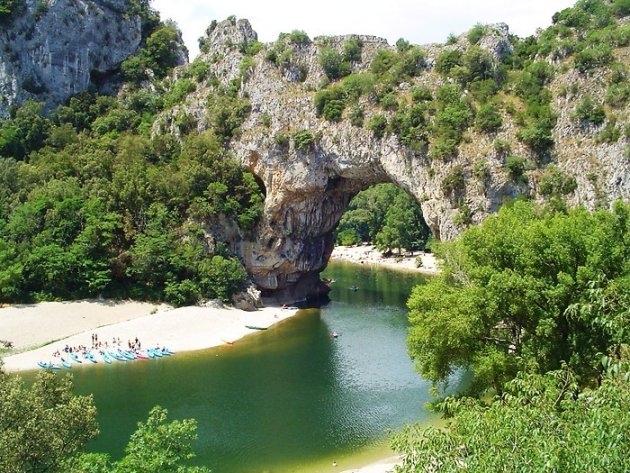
{"type": "Point", "coordinates": [308, 186]}
{"type": "Point", "coordinates": [56, 48]}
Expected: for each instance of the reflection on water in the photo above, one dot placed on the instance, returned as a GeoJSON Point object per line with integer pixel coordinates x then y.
{"type": "Point", "coordinates": [286, 399]}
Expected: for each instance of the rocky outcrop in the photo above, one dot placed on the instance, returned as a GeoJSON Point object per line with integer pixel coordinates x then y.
{"type": "Point", "coordinates": [56, 48]}
{"type": "Point", "coordinates": [308, 186]}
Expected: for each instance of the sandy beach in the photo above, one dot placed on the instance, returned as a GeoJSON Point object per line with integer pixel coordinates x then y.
{"type": "Point", "coordinates": [386, 465]}
{"type": "Point", "coordinates": [368, 254]}
{"type": "Point", "coordinates": [38, 330]}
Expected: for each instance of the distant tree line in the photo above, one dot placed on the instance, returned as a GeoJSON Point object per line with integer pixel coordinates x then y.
{"type": "Point", "coordinates": [386, 216]}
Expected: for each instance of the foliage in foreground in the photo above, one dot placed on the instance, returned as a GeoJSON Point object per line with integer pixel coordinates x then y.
{"type": "Point", "coordinates": [527, 290]}
{"type": "Point", "coordinates": [541, 423]}
{"type": "Point", "coordinates": [44, 428]}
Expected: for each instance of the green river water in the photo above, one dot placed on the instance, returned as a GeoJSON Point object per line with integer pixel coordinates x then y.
{"type": "Point", "coordinates": [291, 399]}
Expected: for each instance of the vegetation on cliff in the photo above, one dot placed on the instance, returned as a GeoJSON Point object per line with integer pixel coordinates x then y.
{"type": "Point", "coordinates": [93, 203]}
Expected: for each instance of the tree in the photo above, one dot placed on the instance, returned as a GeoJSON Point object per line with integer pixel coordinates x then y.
{"type": "Point", "coordinates": [404, 228]}
{"type": "Point", "coordinates": [505, 300]}
{"type": "Point", "coordinates": [42, 425]}
{"type": "Point", "coordinates": [541, 423]}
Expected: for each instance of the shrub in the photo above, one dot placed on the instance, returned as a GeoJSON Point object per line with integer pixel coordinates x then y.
{"type": "Point", "coordinates": [447, 60]}
{"type": "Point", "coordinates": [333, 110]}
{"type": "Point", "coordinates": [378, 125]}
{"type": "Point", "coordinates": [502, 146]}
{"type": "Point", "coordinates": [554, 182]}
{"type": "Point", "coordinates": [421, 94]}
{"type": "Point", "coordinates": [481, 170]}
{"type": "Point", "coordinates": [589, 111]}
{"type": "Point", "coordinates": [304, 140]}
{"type": "Point", "coordinates": [357, 116]}
{"type": "Point", "coordinates": [488, 118]}
{"type": "Point", "coordinates": [618, 95]}
{"type": "Point", "coordinates": [593, 57]}
{"type": "Point", "coordinates": [332, 62]}
{"type": "Point", "coordinates": [516, 167]}
{"type": "Point", "coordinates": [455, 181]}
{"type": "Point", "coordinates": [352, 49]}
{"type": "Point", "coordinates": [476, 33]}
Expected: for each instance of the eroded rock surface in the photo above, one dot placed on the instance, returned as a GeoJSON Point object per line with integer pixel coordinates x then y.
{"type": "Point", "coordinates": [56, 48]}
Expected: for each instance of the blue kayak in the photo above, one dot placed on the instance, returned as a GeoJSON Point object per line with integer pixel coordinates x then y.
{"type": "Point", "coordinates": [126, 354]}
{"type": "Point", "coordinates": [75, 357]}
{"type": "Point", "coordinates": [48, 366]}
{"type": "Point", "coordinates": [90, 356]}
{"type": "Point", "coordinates": [106, 358]}
{"type": "Point", "coordinates": [116, 356]}
{"type": "Point", "coordinates": [157, 352]}
{"type": "Point", "coordinates": [150, 354]}
{"type": "Point", "coordinates": [65, 363]}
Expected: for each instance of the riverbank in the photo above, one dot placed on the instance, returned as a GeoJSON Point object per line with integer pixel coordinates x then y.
{"type": "Point", "coordinates": [368, 254]}
{"type": "Point", "coordinates": [39, 330]}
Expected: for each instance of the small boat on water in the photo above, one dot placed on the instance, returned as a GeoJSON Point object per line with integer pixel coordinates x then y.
{"type": "Point", "coordinates": [141, 356]}
{"type": "Point", "coordinates": [106, 358]}
{"type": "Point", "coordinates": [65, 363]}
{"type": "Point", "coordinates": [48, 366]}
{"type": "Point", "coordinates": [166, 351]}
{"type": "Point", "coordinates": [254, 327]}
{"type": "Point", "coordinates": [354, 288]}
{"type": "Point", "coordinates": [75, 358]}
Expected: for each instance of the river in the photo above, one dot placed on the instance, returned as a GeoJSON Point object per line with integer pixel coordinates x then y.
{"type": "Point", "coordinates": [291, 399]}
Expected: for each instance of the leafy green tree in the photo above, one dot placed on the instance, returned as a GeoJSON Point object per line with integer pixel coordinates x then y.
{"type": "Point", "coordinates": [540, 423]}
{"type": "Point", "coordinates": [404, 227]}
{"type": "Point", "coordinates": [506, 298]}
{"type": "Point", "coordinates": [42, 425]}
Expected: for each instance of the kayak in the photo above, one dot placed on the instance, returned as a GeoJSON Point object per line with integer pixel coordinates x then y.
{"type": "Point", "coordinates": [166, 352]}
{"type": "Point", "coordinates": [116, 356]}
{"type": "Point", "coordinates": [157, 352]}
{"type": "Point", "coordinates": [126, 354]}
{"type": "Point", "coordinates": [65, 363]}
{"type": "Point", "coordinates": [90, 356]}
{"type": "Point", "coordinates": [75, 358]}
{"type": "Point", "coordinates": [141, 355]}
{"type": "Point", "coordinates": [106, 358]}
{"type": "Point", "coordinates": [150, 353]}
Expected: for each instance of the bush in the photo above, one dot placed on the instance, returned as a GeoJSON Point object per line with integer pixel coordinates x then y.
{"type": "Point", "coordinates": [333, 110]}
{"type": "Point", "coordinates": [333, 63]}
{"type": "Point", "coordinates": [421, 94]}
{"type": "Point", "coordinates": [589, 111]}
{"type": "Point", "coordinates": [618, 95]}
{"type": "Point", "coordinates": [476, 33]}
{"type": "Point", "coordinates": [447, 60]}
{"type": "Point", "coordinates": [554, 182]}
{"type": "Point", "coordinates": [488, 118]}
{"type": "Point", "coordinates": [455, 181]}
{"type": "Point", "coordinates": [593, 57]}
{"type": "Point", "coordinates": [378, 125]}
{"type": "Point", "coordinates": [356, 117]}
{"type": "Point", "coordinates": [304, 140]}
{"type": "Point", "coordinates": [352, 49]}
{"type": "Point", "coordinates": [516, 167]}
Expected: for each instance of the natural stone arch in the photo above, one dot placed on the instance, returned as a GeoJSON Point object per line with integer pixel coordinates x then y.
{"type": "Point", "coordinates": [307, 194]}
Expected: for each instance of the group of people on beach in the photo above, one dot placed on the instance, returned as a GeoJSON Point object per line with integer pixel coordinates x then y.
{"type": "Point", "coordinates": [133, 345]}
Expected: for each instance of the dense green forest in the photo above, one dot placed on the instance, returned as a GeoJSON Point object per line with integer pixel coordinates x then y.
{"type": "Point", "coordinates": [92, 203]}
{"type": "Point", "coordinates": [384, 215]}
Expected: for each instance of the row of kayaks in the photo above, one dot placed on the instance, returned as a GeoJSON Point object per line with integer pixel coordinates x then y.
{"type": "Point", "coordinates": [106, 356]}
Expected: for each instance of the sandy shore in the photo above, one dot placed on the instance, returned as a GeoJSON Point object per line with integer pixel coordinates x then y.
{"type": "Point", "coordinates": [367, 254]}
{"type": "Point", "coordinates": [385, 465]}
{"type": "Point", "coordinates": [53, 325]}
